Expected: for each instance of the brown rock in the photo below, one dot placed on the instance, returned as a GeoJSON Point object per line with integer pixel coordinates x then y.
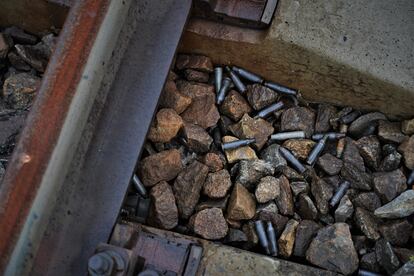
{"type": "Point", "coordinates": [213, 161]}
{"type": "Point", "coordinates": [407, 127]}
{"type": "Point", "coordinates": [389, 185]}
{"type": "Point", "coordinates": [367, 223]}
{"type": "Point", "coordinates": [187, 187]}
{"type": "Point", "coordinates": [217, 184]}
{"type": "Point", "coordinates": [19, 90]}
{"type": "Point", "coordinates": [299, 147]}
{"type": "Point", "coordinates": [172, 76]}
{"type": "Point", "coordinates": [197, 138]}
{"type": "Point", "coordinates": [369, 201]}
{"type": "Point", "coordinates": [233, 223]}
{"type": "Point", "coordinates": [172, 98]}
{"type": "Point", "coordinates": [4, 46]}
{"type": "Point", "coordinates": [202, 110]}
{"type": "Point", "coordinates": [390, 132]}
{"type": "Point", "coordinates": [164, 209]}
{"type": "Point", "coordinates": [325, 113]}
{"type": "Point", "coordinates": [351, 155]}
{"type": "Point", "coordinates": [162, 166]}
{"type": "Point", "coordinates": [251, 171]}
{"type": "Point", "coordinates": [242, 153]}
{"type": "Point", "coordinates": [305, 232]}
{"type": "Point", "coordinates": [210, 224]}
{"type": "Point", "coordinates": [287, 238]}
{"type": "Point", "coordinates": [285, 200]}
{"type": "Point", "coordinates": [299, 187]}
{"type": "Point", "coordinates": [241, 205]}
{"type": "Point", "coordinates": [260, 96]}
{"type": "Point", "coordinates": [250, 232]}
{"type": "Point", "coordinates": [397, 232]}
{"type": "Point", "coordinates": [370, 150]}
{"type": "Point", "coordinates": [358, 179]}
{"type": "Point", "coordinates": [298, 118]}
{"type": "Point", "coordinates": [197, 62]}
{"type": "Point", "coordinates": [267, 189]}
{"type": "Point", "coordinates": [306, 208]}
{"type": "Point", "coordinates": [345, 210]}
{"type": "Point", "coordinates": [330, 164]}
{"type": "Point", "coordinates": [407, 150]}
{"type": "Point", "coordinates": [194, 75]}
{"type": "Point", "coordinates": [213, 203]}
{"type": "Point", "coordinates": [248, 127]}
{"type": "Point", "coordinates": [322, 192]}
{"type": "Point", "coordinates": [235, 106]}
{"type": "Point", "coordinates": [166, 125]}
{"type": "Point", "coordinates": [333, 249]}
{"type": "Point", "coordinates": [360, 125]}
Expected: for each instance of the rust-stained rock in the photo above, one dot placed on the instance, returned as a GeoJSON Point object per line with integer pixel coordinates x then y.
{"type": "Point", "coordinates": [172, 98]}
{"type": "Point", "coordinates": [242, 153]}
{"type": "Point", "coordinates": [260, 96]}
{"type": "Point", "coordinates": [217, 184]}
{"type": "Point", "coordinates": [333, 249]}
{"type": "Point", "coordinates": [305, 232]}
{"type": "Point", "coordinates": [285, 199]}
{"type": "Point", "coordinates": [407, 127]}
{"type": "Point", "coordinates": [325, 113]}
{"type": "Point", "coordinates": [329, 164]}
{"type": "Point", "coordinates": [19, 90]}
{"type": "Point", "coordinates": [322, 192]}
{"type": "Point", "coordinates": [267, 189]}
{"type": "Point", "coordinates": [390, 131]}
{"type": "Point", "coordinates": [210, 224]}
{"type": "Point", "coordinates": [299, 147]}
{"type": "Point", "coordinates": [287, 238]}
{"type": "Point", "coordinates": [213, 161]}
{"type": "Point", "coordinates": [197, 62]}
{"type": "Point", "coordinates": [202, 110]}
{"type": "Point", "coordinates": [162, 166]}
{"type": "Point", "coordinates": [298, 118]}
{"type": "Point", "coordinates": [389, 185]}
{"type": "Point", "coordinates": [367, 223]}
{"type": "Point", "coordinates": [407, 150]}
{"type": "Point", "coordinates": [187, 187]}
{"type": "Point", "coordinates": [248, 127]}
{"type": "Point", "coordinates": [197, 138]}
{"type": "Point", "coordinates": [164, 209]}
{"type": "Point", "coordinates": [166, 125]}
{"type": "Point", "coordinates": [194, 75]}
{"type": "Point", "coordinates": [235, 106]}
{"type": "Point", "coordinates": [370, 150]}
{"type": "Point", "coordinates": [241, 205]}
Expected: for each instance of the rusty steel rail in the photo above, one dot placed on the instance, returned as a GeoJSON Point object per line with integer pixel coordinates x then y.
{"type": "Point", "coordinates": [63, 189]}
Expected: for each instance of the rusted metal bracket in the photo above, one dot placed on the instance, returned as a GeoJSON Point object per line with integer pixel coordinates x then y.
{"type": "Point", "coordinates": [246, 13]}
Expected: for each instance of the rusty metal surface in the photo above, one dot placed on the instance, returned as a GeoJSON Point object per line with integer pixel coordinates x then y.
{"type": "Point", "coordinates": [45, 120]}
{"type": "Point", "coordinates": [91, 205]}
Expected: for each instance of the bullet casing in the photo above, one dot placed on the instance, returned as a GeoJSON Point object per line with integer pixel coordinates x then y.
{"type": "Point", "coordinates": [363, 272]}
{"type": "Point", "coordinates": [248, 75]}
{"type": "Point", "coordinates": [236, 80]}
{"type": "Point", "coordinates": [280, 88]}
{"type": "Point", "coordinates": [287, 135]}
{"type": "Point", "coordinates": [223, 90]}
{"type": "Point", "coordinates": [339, 194]}
{"type": "Point", "coordinates": [262, 235]}
{"type": "Point", "coordinates": [271, 235]}
{"type": "Point", "coordinates": [269, 109]}
{"type": "Point", "coordinates": [331, 136]}
{"type": "Point", "coordinates": [316, 151]}
{"type": "Point", "coordinates": [218, 78]}
{"type": "Point", "coordinates": [292, 160]}
{"type": "Point", "coordinates": [237, 144]}
{"type": "Point", "coordinates": [139, 186]}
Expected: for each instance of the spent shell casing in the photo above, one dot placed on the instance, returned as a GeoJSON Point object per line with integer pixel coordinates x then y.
{"type": "Point", "coordinates": [223, 90]}
{"type": "Point", "coordinates": [269, 109]}
{"type": "Point", "coordinates": [296, 164]}
{"type": "Point", "coordinates": [287, 135]}
{"type": "Point", "coordinates": [271, 235]}
{"type": "Point", "coordinates": [363, 272]}
{"type": "Point", "coordinates": [236, 80]}
{"type": "Point", "coordinates": [339, 194]}
{"type": "Point", "coordinates": [247, 75]}
{"type": "Point", "coordinates": [316, 151]}
{"type": "Point", "coordinates": [139, 186]}
{"type": "Point", "coordinates": [237, 144]}
{"type": "Point", "coordinates": [410, 179]}
{"type": "Point", "coordinates": [280, 88]}
{"type": "Point", "coordinates": [218, 78]}
{"type": "Point", "coordinates": [331, 136]}
{"type": "Point", "coordinates": [262, 235]}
